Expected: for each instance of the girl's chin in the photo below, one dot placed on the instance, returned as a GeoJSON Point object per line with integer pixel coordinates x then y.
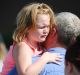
{"type": "Point", "coordinates": [42, 40]}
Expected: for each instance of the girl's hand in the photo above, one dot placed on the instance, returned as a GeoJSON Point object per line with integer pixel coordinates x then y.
{"type": "Point", "coordinates": [52, 57]}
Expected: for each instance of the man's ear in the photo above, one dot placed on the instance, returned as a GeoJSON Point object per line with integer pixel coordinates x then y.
{"type": "Point", "coordinates": [73, 40]}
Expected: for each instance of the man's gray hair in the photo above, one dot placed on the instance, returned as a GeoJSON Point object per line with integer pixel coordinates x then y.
{"type": "Point", "coordinates": [68, 25]}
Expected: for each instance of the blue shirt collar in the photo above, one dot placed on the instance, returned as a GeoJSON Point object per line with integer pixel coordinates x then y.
{"type": "Point", "coordinates": [57, 50]}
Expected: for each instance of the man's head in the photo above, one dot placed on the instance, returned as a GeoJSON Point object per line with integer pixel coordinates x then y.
{"type": "Point", "coordinates": [66, 29]}
{"type": "Point", "coordinates": [68, 26]}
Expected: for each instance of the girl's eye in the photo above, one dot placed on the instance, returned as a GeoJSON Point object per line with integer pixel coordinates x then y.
{"type": "Point", "coordinates": [43, 27]}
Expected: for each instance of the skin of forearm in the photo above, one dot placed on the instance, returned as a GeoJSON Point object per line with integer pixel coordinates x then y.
{"type": "Point", "coordinates": [36, 67]}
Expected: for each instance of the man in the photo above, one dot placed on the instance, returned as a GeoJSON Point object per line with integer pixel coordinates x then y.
{"type": "Point", "coordinates": [62, 35]}
{"type": "Point", "coordinates": [65, 32]}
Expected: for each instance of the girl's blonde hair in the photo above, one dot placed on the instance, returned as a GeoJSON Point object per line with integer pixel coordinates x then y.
{"type": "Point", "coordinates": [26, 19]}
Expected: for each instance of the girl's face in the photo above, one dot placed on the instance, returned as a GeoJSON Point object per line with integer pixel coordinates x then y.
{"type": "Point", "coordinates": [42, 28]}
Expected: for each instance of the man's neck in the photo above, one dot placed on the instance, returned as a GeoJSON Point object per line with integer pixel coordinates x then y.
{"type": "Point", "coordinates": [56, 45]}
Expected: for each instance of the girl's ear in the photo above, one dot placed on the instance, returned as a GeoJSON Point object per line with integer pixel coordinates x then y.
{"type": "Point", "coordinates": [54, 32]}
{"type": "Point", "coordinates": [54, 29]}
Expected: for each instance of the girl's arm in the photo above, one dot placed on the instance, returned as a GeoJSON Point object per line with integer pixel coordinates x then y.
{"type": "Point", "coordinates": [23, 57]}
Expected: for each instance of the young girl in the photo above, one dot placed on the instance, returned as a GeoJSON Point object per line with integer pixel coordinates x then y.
{"type": "Point", "coordinates": [34, 22]}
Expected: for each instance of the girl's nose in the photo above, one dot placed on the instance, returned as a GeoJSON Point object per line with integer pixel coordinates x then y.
{"type": "Point", "coordinates": [46, 30]}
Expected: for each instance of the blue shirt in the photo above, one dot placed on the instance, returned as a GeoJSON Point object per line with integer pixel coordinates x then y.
{"type": "Point", "coordinates": [49, 68]}
{"type": "Point", "coordinates": [52, 68]}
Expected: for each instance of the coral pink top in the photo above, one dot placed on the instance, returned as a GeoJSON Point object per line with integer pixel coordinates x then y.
{"type": "Point", "coordinates": [9, 62]}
